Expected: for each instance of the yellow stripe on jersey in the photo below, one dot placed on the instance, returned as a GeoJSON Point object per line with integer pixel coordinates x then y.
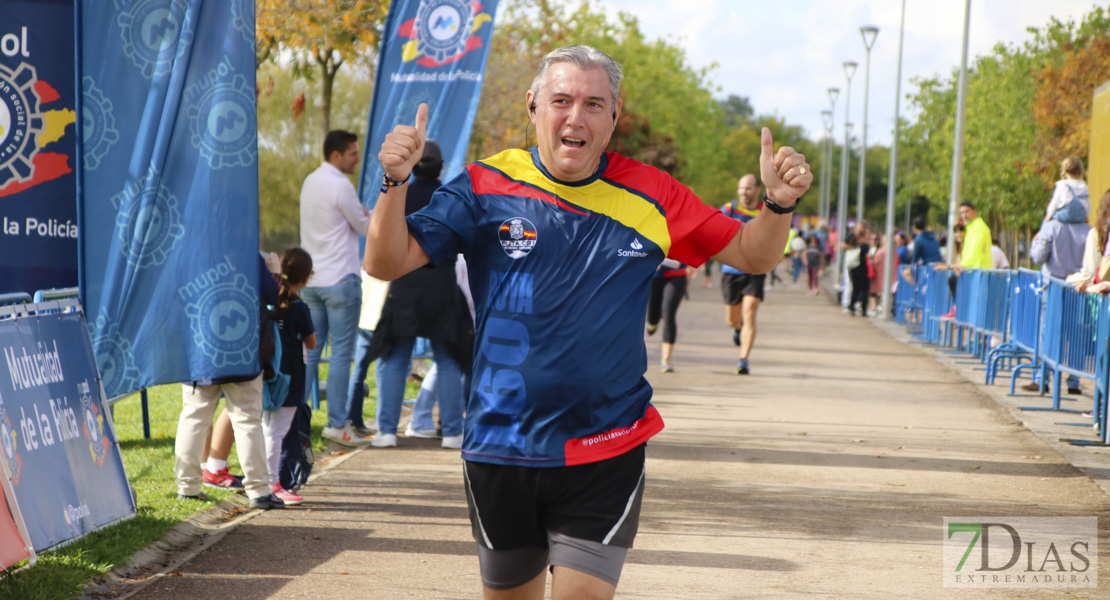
{"type": "Point", "coordinates": [600, 197]}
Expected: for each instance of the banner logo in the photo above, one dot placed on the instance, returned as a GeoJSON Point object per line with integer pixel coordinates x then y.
{"type": "Point", "coordinates": [154, 33]}
{"type": "Point", "coordinates": [118, 371]}
{"type": "Point", "coordinates": [20, 123]}
{"type": "Point", "coordinates": [518, 237]}
{"type": "Point", "coordinates": [98, 132]}
{"type": "Point", "coordinates": [224, 322]}
{"type": "Point", "coordinates": [94, 428]}
{"type": "Point", "coordinates": [242, 19]}
{"type": "Point", "coordinates": [10, 448]}
{"type": "Point", "coordinates": [149, 222]}
{"type": "Point", "coordinates": [442, 30]}
{"type": "Point", "coordinates": [1021, 552]}
{"type": "Point", "coordinates": [223, 124]}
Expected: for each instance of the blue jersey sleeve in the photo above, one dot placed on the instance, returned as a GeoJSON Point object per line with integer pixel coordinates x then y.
{"type": "Point", "coordinates": [445, 227]}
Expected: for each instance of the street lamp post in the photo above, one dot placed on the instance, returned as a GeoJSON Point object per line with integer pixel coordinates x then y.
{"type": "Point", "coordinates": [892, 179]}
{"type": "Point", "coordinates": [869, 32]}
{"type": "Point", "coordinates": [958, 143]}
{"type": "Point", "coordinates": [842, 198]}
{"type": "Point", "coordinates": [834, 93]}
{"type": "Point", "coordinates": [826, 174]}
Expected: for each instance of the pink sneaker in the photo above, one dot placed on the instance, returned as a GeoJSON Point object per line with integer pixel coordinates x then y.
{"type": "Point", "coordinates": [289, 498]}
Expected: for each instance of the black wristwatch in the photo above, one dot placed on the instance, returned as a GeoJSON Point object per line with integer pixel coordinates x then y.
{"type": "Point", "coordinates": [777, 208]}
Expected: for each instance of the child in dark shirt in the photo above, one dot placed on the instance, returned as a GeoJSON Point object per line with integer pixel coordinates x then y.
{"type": "Point", "coordinates": [295, 333]}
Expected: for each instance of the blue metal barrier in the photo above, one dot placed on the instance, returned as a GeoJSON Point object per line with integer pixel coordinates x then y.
{"type": "Point", "coordinates": [903, 297]}
{"type": "Point", "coordinates": [1102, 378]}
{"type": "Point", "coordinates": [938, 303]}
{"type": "Point", "coordinates": [1023, 348]}
{"type": "Point", "coordinates": [1069, 348]}
{"type": "Point", "coordinates": [967, 308]}
{"type": "Point", "coordinates": [993, 310]}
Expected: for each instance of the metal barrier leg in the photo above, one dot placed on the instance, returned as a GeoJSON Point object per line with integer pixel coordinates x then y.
{"type": "Point", "coordinates": [146, 414]}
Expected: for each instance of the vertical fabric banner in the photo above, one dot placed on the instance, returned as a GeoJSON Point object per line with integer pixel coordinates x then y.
{"type": "Point", "coordinates": [60, 451]}
{"type": "Point", "coordinates": [169, 190]}
{"type": "Point", "coordinates": [38, 184]}
{"type": "Point", "coordinates": [434, 52]}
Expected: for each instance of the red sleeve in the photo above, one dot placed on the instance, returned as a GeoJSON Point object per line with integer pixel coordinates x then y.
{"type": "Point", "coordinates": [697, 231]}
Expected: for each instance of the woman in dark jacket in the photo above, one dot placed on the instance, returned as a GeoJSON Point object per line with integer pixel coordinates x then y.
{"type": "Point", "coordinates": [425, 303]}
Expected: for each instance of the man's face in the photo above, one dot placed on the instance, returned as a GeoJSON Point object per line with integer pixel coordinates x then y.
{"type": "Point", "coordinates": [967, 214]}
{"type": "Point", "coordinates": [747, 191]}
{"type": "Point", "coordinates": [574, 119]}
{"type": "Point", "coordinates": [346, 161]}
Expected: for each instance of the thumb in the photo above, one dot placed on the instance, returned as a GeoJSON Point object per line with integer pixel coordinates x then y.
{"type": "Point", "coordinates": [422, 119]}
{"type": "Point", "coordinates": [767, 149]}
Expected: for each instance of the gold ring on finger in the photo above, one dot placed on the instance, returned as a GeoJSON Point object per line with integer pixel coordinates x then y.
{"type": "Point", "coordinates": [802, 170]}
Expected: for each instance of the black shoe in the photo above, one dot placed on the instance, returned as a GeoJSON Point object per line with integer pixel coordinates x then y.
{"type": "Point", "coordinates": [267, 502]}
{"type": "Point", "coordinates": [198, 496]}
{"type": "Point", "coordinates": [736, 337]}
{"type": "Point", "coordinates": [1074, 391]}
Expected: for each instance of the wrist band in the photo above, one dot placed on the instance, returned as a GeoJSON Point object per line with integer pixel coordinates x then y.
{"type": "Point", "coordinates": [388, 182]}
{"type": "Point", "coordinates": [779, 209]}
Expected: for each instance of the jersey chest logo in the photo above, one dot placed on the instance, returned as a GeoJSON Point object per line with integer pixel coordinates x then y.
{"type": "Point", "coordinates": [517, 236]}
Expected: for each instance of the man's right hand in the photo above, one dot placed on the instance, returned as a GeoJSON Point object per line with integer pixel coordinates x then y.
{"type": "Point", "coordinates": [404, 146]}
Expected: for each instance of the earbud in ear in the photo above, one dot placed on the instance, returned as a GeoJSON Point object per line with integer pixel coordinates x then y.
{"type": "Point", "coordinates": [533, 107]}
{"type": "Point", "coordinates": [614, 116]}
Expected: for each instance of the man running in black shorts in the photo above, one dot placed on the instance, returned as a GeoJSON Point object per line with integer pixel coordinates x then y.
{"type": "Point", "coordinates": [561, 242]}
{"type": "Point", "coordinates": [743, 292]}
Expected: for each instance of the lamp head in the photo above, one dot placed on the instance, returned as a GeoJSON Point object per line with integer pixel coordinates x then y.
{"type": "Point", "coordinates": [833, 94]}
{"type": "Point", "coordinates": [826, 116]}
{"type": "Point", "coordinates": [869, 32]}
{"type": "Point", "coordinates": [850, 68]}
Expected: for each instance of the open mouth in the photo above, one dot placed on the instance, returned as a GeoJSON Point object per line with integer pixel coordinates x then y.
{"type": "Point", "coordinates": [572, 142]}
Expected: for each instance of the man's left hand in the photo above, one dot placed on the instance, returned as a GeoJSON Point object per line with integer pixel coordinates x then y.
{"type": "Point", "coordinates": [786, 174]}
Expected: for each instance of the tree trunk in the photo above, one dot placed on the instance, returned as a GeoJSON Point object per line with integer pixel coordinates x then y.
{"type": "Point", "coordinates": [329, 66]}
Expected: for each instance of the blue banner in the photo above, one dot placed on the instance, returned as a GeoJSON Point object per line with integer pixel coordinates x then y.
{"type": "Point", "coordinates": [169, 190]}
{"type": "Point", "coordinates": [60, 450]}
{"type": "Point", "coordinates": [434, 52]}
{"type": "Point", "coordinates": [38, 184]}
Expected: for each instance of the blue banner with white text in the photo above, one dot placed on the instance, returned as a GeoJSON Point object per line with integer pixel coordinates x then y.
{"type": "Point", "coordinates": [434, 52]}
{"type": "Point", "coordinates": [169, 190]}
{"type": "Point", "coordinates": [60, 451]}
{"type": "Point", "coordinates": [38, 182]}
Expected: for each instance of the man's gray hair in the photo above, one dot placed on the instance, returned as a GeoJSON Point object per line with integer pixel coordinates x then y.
{"type": "Point", "coordinates": [583, 57]}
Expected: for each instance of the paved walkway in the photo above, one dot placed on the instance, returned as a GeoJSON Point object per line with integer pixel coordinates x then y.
{"type": "Point", "coordinates": [824, 474]}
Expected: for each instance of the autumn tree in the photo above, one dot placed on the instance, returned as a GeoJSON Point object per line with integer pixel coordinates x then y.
{"type": "Point", "coordinates": [319, 36]}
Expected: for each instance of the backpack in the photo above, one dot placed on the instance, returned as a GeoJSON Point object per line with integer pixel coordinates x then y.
{"type": "Point", "coordinates": [275, 384]}
{"type": "Point", "coordinates": [296, 450]}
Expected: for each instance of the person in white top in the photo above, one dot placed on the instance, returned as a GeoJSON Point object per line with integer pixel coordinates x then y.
{"type": "Point", "coordinates": [998, 256]}
{"type": "Point", "coordinates": [332, 218]}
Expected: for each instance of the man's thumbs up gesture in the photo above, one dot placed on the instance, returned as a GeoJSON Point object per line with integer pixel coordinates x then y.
{"type": "Point", "coordinates": [404, 146]}
{"type": "Point", "coordinates": [785, 174]}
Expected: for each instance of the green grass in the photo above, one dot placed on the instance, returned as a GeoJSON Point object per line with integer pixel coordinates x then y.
{"type": "Point", "coordinates": [63, 573]}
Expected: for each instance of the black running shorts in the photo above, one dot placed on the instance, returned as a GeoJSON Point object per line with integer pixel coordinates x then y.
{"type": "Point", "coordinates": [584, 517]}
{"type": "Point", "coordinates": [734, 287]}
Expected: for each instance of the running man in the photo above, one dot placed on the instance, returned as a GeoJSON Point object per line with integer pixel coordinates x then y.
{"type": "Point", "coordinates": [562, 241]}
{"type": "Point", "coordinates": [743, 292]}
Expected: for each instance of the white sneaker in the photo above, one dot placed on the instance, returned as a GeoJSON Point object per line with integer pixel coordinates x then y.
{"type": "Point", "coordinates": [384, 440]}
{"type": "Point", "coordinates": [427, 434]}
{"type": "Point", "coordinates": [344, 436]}
{"type": "Point", "coordinates": [453, 442]}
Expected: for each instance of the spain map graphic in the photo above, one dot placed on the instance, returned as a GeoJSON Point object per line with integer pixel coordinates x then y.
{"type": "Point", "coordinates": [45, 166]}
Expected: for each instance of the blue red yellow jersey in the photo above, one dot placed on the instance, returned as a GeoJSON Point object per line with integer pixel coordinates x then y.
{"type": "Point", "coordinates": [560, 274]}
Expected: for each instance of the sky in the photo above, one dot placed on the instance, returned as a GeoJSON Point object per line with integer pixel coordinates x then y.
{"type": "Point", "coordinates": [783, 55]}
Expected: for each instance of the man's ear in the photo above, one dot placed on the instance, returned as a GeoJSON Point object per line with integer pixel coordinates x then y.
{"type": "Point", "coordinates": [530, 106]}
{"type": "Point", "coordinates": [617, 112]}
